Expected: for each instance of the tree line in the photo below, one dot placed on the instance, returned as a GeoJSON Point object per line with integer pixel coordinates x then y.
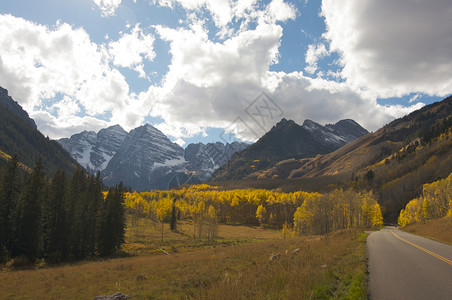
{"type": "Point", "coordinates": [58, 219]}
{"type": "Point", "coordinates": [435, 202]}
{"type": "Point", "coordinates": [306, 213]}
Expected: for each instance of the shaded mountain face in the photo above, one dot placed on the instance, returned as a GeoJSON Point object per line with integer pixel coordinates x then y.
{"type": "Point", "coordinates": [403, 155]}
{"type": "Point", "coordinates": [95, 150]}
{"type": "Point", "coordinates": [145, 158]}
{"type": "Point", "coordinates": [379, 145]}
{"type": "Point", "coordinates": [204, 159]}
{"type": "Point", "coordinates": [15, 108]}
{"type": "Point", "coordinates": [289, 140]}
{"type": "Point", "coordinates": [18, 135]}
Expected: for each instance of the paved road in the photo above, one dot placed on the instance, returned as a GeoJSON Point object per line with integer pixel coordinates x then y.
{"type": "Point", "coordinates": [406, 266]}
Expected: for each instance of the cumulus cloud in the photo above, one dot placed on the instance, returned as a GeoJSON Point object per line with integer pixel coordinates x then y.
{"type": "Point", "coordinates": [313, 54]}
{"type": "Point", "coordinates": [224, 12]}
{"type": "Point", "coordinates": [107, 7]}
{"type": "Point", "coordinates": [132, 48]}
{"type": "Point", "coordinates": [67, 125]}
{"type": "Point", "coordinates": [39, 64]}
{"type": "Point", "coordinates": [392, 48]}
{"type": "Point", "coordinates": [214, 84]}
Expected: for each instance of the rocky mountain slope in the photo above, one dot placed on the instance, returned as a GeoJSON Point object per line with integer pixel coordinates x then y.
{"type": "Point", "coordinates": [145, 158]}
{"type": "Point", "coordinates": [18, 135]}
{"type": "Point", "coordinates": [14, 107]}
{"type": "Point", "coordinates": [95, 150]}
{"type": "Point", "coordinates": [204, 159]}
{"type": "Point", "coordinates": [394, 161]}
{"type": "Point", "coordinates": [289, 140]}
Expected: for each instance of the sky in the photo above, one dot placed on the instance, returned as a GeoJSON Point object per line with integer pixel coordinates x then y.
{"type": "Point", "coordinates": [222, 70]}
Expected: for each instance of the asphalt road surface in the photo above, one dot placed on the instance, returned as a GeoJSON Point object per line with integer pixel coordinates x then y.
{"type": "Point", "coordinates": [406, 266]}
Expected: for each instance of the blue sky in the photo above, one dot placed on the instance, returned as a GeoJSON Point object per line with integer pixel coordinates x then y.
{"type": "Point", "coordinates": [197, 69]}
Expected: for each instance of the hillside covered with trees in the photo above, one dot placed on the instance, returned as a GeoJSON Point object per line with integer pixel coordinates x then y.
{"type": "Point", "coordinates": [18, 135]}
{"type": "Point", "coordinates": [57, 219]}
{"type": "Point", "coordinates": [435, 202]}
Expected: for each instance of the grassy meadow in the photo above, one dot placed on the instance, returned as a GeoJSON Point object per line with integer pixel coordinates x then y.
{"type": "Point", "coordinates": [438, 229]}
{"type": "Point", "coordinates": [233, 266]}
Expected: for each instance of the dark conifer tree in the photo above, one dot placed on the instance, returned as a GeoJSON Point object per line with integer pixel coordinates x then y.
{"type": "Point", "coordinates": [112, 226]}
{"type": "Point", "coordinates": [93, 201]}
{"type": "Point", "coordinates": [75, 213]}
{"type": "Point", "coordinates": [53, 221]}
{"type": "Point", "coordinates": [29, 214]}
{"type": "Point", "coordinates": [9, 191]}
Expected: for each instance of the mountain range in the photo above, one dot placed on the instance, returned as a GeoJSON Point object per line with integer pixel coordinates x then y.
{"type": "Point", "coordinates": [287, 140]}
{"type": "Point", "coordinates": [145, 158]}
{"type": "Point", "coordinates": [394, 161]}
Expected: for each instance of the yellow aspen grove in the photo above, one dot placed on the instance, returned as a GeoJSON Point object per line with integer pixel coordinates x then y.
{"type": "Point", "coordinates": [163, 210]}
{"type": "Point", "coordinates": [435, 202]}
{"type": "Point", "coordinates": [306, 212]}
{"type": "Point", "coordinates": [261, 213]}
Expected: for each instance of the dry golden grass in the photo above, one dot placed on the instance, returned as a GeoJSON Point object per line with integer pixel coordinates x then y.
{"type": "Point", "coordinates": [145, 237]}
{"type": "Point", "coordinates": [437, 229]}
{"type": "Point", "coordinates": [325, 267]}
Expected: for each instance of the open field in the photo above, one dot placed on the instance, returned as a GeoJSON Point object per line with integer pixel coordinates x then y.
{"type": "Point", "coordinates": [437, 229]}
{"type": "Point", "coordinates": [235, 266]}
{"type": "Point", "coordinates": [145, 237]}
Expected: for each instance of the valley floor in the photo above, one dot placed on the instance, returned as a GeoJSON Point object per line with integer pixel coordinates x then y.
{"type": "Point", "coordinates": [236, 265]}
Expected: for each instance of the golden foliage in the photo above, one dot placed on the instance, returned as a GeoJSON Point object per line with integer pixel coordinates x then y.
{"type": "Point", "coordinates": [310, 212]}
{"type": "Point", "coordinates": [435, 202]}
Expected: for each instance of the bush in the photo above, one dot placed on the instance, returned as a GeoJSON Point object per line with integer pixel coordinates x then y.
{"type": "Point", "coordinates": [20, 262]}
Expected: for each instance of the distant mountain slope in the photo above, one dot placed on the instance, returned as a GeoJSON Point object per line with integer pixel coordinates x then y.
{"type": "Point", "coordinates": [146, 159]}
{"type": "Point", "coordinates": [95, 150]}
{"type": "Point", "coordinates": [18, 135]}
{"type": "Point", "coordinates": [375, 147]}
{"type": "Point", "coordinates": [204, 159]}
{"type": "Point", "coordinates": [288, 140]}
{"type": "Point", "coordinates": [402, 156]}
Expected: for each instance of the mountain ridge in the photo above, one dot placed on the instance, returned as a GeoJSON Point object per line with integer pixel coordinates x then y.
{"type": "Point", "coordinates": [145, 158]}
{"type": "Point", "coordinates": [287, 140]}
{"type": "Point", "coordinates": [19, 135]}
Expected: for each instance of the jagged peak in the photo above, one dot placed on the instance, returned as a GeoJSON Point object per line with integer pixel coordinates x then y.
{"type": "Point", "coordinates": [116, 127]}
{"type": "Point", "coordinates": [311, 125]}
{"type": "Point", "coordinates": [284, 122]}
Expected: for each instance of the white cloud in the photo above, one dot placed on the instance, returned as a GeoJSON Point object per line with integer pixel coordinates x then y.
{"type": "Point", "coordinates": [313, 54]}
{"type": "Point", "coordinates": [38, 63]}
{"type": "Point", "coordinates": [180, 142]}
{"type": "Point", "coordinates": [392, 48]}
{"type": "Point", "coordinates": [225, 12]}
{"type": "Point", "coordinates": [414, 98]}
{"type": "Point", "coordinates": [132, 48]}
{"type": "Point", "coordinates": [107, 7]}
{"type": "Point", "coordinates": [211, 84]}
{"type": "Point", "coordinates": [67, 125]}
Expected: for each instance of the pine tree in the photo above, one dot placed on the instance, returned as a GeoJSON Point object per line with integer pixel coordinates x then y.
{"type": "Point", "coordinates": [9, 191]}
{"type": "Point", "coordinates": [53, 221]}
{"type": "Point", "coordinates": [94, 200]}
{"type": "Point", "coordinates": [29, 214]}
{"type": "Point", "coordinates": [112, 224]}
{"type": "Point", "coordinates": [74, 213]}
